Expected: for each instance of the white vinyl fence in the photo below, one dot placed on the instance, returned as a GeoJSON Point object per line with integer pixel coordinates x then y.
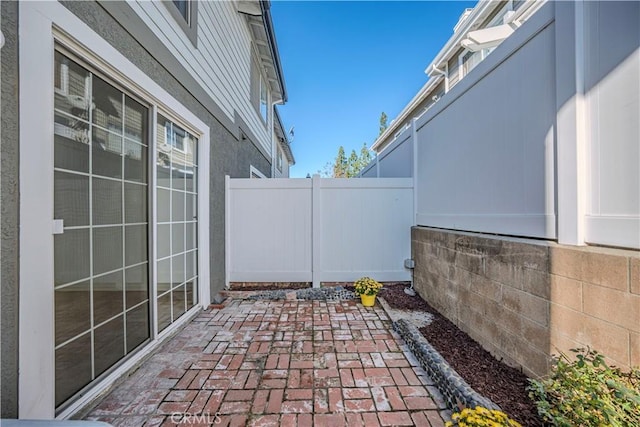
{"type": "Point", "coordinates": [318, 230]}
{"type": "Point", "coordinates": [541, 139]}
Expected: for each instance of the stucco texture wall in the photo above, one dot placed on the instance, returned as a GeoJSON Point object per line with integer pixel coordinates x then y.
{"type": "Point", "coordinates": [9, 132]}
{"type": "Point", "coordinates": [229, 156]}
{"type": "Point", "coordinates": [524, 300]}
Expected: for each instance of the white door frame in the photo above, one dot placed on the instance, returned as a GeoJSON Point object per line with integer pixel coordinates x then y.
{"type": "Point", "coordinates": [40, 25]}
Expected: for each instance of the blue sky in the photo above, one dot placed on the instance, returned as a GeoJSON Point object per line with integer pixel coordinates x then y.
{"type": "Point", "coordinates": [346, 62]}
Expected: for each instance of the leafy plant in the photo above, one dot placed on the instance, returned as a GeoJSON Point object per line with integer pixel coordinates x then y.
{"type": "Point", "coordinates": [481, 417]}
{"type": "Point", "coordinates": [367, 286]}
{"type": "Point", "coordinates": [588, 392]}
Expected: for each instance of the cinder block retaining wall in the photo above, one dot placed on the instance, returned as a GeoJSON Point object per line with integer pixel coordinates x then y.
{"type": "Point", "coordinates": [524, 300]}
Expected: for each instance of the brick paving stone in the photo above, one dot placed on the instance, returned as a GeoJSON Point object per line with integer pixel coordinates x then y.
{"type": "Point", "coordinates": [395, 419]}
{"type": "Point", "coordinates": [279, 363]}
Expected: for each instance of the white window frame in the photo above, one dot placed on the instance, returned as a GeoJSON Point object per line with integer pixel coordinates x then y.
{"type": "Point", "coordinates": [264, 103]}
{"type": "Point", "coordinates": [254, 171]}
{"type": "Point", "coordinates": [40, 25]}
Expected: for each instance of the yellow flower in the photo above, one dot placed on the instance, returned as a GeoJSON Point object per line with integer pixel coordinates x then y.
{"type": "Point", "coordinates": [367, 286]}
{"type": "Point", "coordinates": [480, 417]}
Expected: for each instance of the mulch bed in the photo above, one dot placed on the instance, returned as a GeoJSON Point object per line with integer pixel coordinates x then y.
{"type": "Point", "coordinates": [493, 379]}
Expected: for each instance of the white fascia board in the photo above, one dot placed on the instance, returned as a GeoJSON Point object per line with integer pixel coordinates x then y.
{"type": "Point", "coordinates": [407, 111]}
{"type": "Point", "coordinates": [483, 8]}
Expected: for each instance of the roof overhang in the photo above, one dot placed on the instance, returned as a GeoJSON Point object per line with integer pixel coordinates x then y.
{"type": "Point", "coordinates": [258, 17]}
{"type": "Point", "coordinates": [470, 23]}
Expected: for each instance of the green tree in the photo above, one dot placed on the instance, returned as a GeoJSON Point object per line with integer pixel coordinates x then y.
{"type": "Point", "coordinates": [340, 165]}
{"type": "Point", "coordinates": [365, 157]}
{"type": "Point", "coordinates": [383, 123]}
{"type": "Point", "coordinates": [353, 166]}
{"type": "Point", "coordinates": [343, 167]}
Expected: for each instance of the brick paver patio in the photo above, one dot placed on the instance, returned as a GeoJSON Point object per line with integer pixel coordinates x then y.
{"type": "Point", "coordinates": [271, 363]}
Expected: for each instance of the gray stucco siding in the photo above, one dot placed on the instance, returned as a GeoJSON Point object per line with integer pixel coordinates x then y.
{"type": "Point", "coordinates": [9, 132]}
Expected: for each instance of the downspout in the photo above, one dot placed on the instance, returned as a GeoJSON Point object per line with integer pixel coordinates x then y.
{"type": "Point", "coordinates": [444, 73]}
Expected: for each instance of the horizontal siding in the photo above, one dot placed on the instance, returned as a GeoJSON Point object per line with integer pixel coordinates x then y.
{"type": "Point", "coordinates": [222, 62]}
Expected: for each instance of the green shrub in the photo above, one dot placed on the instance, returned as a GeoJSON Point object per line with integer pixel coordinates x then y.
{"type": "Point", "coordinates": [587, 392]}
{"type": "Point", "coordinates": [481, 417]}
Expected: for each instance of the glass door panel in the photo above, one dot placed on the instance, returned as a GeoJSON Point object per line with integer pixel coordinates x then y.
{"type": "Point", "coordinates": [101, 286]}
{"type": "Point", "coordinates": [176, 169]}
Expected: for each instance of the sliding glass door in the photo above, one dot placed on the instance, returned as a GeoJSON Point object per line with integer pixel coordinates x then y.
{"type": "Point", "coordinates": [176, 207]}
{"type": "Point", "coordinates": [101, 192]}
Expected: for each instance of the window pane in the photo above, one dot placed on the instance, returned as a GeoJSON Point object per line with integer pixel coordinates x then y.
{"type": "Point", "coordinates": [177, 171]}
{"type": "Point", "coordinates": [71, 87]}
{"type": "Point", "coordinates": [73, 367]}
{"type": "Point", "coordinates": [177, 239]}
{"type": "Point", "coordinates": [190, 200]}
{"type": "Point", "coordinates": [71, 255]}
{"type": "Point", "coordinates": [136, 249]}
{"type": "Point", "coordinates": [178, 302]}
{"type": "Point", "coordinates": [183, 8]}
{"type": "Point", "coordinates": [71, 144]}
{"type": "Point", "coordinates": [71, 201]}
{"type": "Point", "coordinates": [190, 229]}
{"type": "Point", "coordinates": [191, 291]}
{"type": "Point", "coordinates": [109, 344]}
{"type": "Point", "coordinates": [163, 167]}
{"type": "Point", "coordinates": [164, 205]}
{"type": "Point", "coordinates": [107, 201]}
{"type": "Point", "coordinates": [107, 296]}
{"type": "Point", "coordinates": [106, 154]}
{"type": "Point", "coordinates": [164, 311]}
{"type": "Point", "coordinates": [191, 263]}
{"type": "Point", "coordinates": [177, 271]}
{"type": "Point", "coordinates": [190, 178]}
{"type": "Point", "coordinates": [164, 240]}
{"type": "Point", "coordinates": [107, 112]}
{"type": "Point", "coordinates": [107, 249]}
{"type": "Point", "coordinates": [135, 202]}
{"type": "Point", "coordinates": [136, 118]}
{"type": "Point", "coordinates": [191, 150]}
{"type": "Point", "coordinates": [164, 275]}
{"type": "Point", "coordinates": [137, 285]}
{"type": "Point", "coordinates": [177, 206]}
{"type": "Point", "coordinates": [72, 311]}
{"type": "Point", "coordinates": [135, 162]}
{"type": "Point", "coordinates": [137, 326]}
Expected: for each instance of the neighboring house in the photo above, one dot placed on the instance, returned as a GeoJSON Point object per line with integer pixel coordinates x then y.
{"type": "Point", "coordinates": [283, 158]}
{"type": "Point", "coordinates": [120, 121]}
{"type": "Point", "coordinates": [478, 32]}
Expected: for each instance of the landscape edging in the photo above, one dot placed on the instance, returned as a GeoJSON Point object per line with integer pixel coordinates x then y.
{"type": "Point", "coordinates": [457, 393]}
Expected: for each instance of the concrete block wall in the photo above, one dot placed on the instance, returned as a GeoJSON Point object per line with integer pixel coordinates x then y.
{"type": "Point", "coordinates": [525, 300]}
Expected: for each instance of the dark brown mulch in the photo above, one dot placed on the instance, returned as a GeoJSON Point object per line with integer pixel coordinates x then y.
{"type": "Point", "coordinates": [502, 384]}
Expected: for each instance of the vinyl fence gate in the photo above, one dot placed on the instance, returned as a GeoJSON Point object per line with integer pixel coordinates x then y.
{"type": "Point", "coordinates": [318, 230]}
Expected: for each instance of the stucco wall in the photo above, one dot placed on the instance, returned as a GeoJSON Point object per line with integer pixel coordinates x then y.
{"type": "Point", "coordinates": [9, 202]}
{"type": "Point", "coordinates": [525, 300]}
{"type": "Point", "coordinates": [229, 156]}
